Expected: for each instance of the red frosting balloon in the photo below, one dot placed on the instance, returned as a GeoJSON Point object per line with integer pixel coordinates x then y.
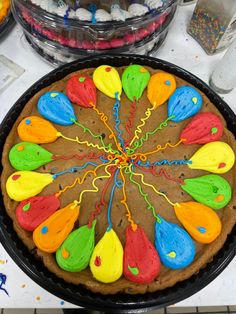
{"type": "Point", "coordinates": [205, 127]}
{"type": "Point", "coordinates": [32, 212]}
{"type": "Point", "coordinates": [82, 91]}
{"type": "Point", "coordinates": [141, 261]}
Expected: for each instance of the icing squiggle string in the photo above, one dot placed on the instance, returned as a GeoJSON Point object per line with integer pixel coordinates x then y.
{"type": "Point", "coordinates": [79, 180]}
{"type": "Point", "coordinates": [161, 173]}
{"type": "Point", "coordinates": [124, 202]}
{"type": "Point", "coordinates": [102, 201]}
{"type": "Point", "coordinates": [76, 139]}
{"type": "Point", "coordinates": [138, 130]}
{"type": "Point", "coordinates": [103, 117]}
{"type": "Point", "coordinates": [116, 109]}
{"type": "Point", "coordinates": [130, 122]}
{"type": "Point", "coordinates": [74, 169]}
{"type": "Point", "coordinates": [80, 157]}
{"type": "Point", "coordinates": [145, 138]}
{"type": "Point", "coordinates": [95, 190]}
{"type": "Point", "coordinates": [117, 184]}
{"type": "Point", "coordinates": [166, 162]}
{"type": "Point", "coordinates": [153, 188]}
{"type": "Point", "coordinates": [144, 195]}
{"type": "Point", "coordinates": [143, 157]}
{"type": "Point", "coordinates": [95, 136]}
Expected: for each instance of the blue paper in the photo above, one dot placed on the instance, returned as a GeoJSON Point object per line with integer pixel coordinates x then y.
{"type": "Point", "coordinates": [184, 103]}
{"type": "Point", "coordinates": [56, 107]}
{"type": "Point", "coordinates": [174, 245]}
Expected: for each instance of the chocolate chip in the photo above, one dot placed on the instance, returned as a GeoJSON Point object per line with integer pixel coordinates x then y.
{"type": "Point", "coordinates": [103, 135]}
{"type": "Point", "coordinates": [234, 207]}
{"type": "Point", "coordinates": [119, 224]}
{"type": "Point", "coordinates": [60, 187]}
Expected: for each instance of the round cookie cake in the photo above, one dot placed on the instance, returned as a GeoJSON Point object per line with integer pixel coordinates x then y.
{"type": "Point", "coordinates": [121, 178]}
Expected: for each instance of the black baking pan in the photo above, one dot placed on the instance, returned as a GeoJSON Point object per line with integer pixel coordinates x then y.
{"type": "Point", "coordinates": [6, 25]}
{"type": "Point", "coordinates": [118, 303]}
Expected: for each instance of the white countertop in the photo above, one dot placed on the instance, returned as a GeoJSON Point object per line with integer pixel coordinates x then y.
{"type": "Point", "coordinates": [180, 49]}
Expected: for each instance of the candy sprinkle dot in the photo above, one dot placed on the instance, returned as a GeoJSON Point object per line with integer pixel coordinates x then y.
{"type": "Point", "coordinates": [44, 230]}
{"type": "Point", "coordinates": [108, 69]}
{"type": "Point", "coordinates": [54, 95]}
{"type": "Point", "coordinates": [219, 198]}
{"type": "Point", "coordinates": [214, 130]}
{"type": "Point", "coordinates": [171, 254]}
{"type": "Point", "coordinates": [27, 121]}
{"type": "Point", "coordinates": [221, 165]}
{"type": "Point", "coordinates": [201, 229]}
{"type": "Point", "coordinates": [97, 261]}
{"type": "Point", "coordinates": [26, 207]}
{"type": "Point", "coordinates": [143, 70]}
{"type": "Point", "coordinates": [194, 100]}
{"type": "Point", "coordinates": [38, 298]}
{"type": "Point", "coordinates": [167, 82]}
{"type": "Point", "coordinates": [15, 177]}
{"type": "Point", "coordinates": [65, 254]}
{"type": "Point", "coordinates": [62, 302]}
{"type": "Point", "coordinates": [82, 79]}
{"type": "Point", "coordinates": [20, 148]}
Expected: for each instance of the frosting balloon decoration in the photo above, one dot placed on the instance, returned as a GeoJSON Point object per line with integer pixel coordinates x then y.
{"type": "Point", "coordinates": [75, 252]}
{"type": "Point", "coordinates": [24, 184]}
{"type": "Point", "coordinates": [51, 233]}
{"type": "Point", "coordinates": [174, 245]}
{"type": "Point", "coordinates": [205, 127]}
{"type": "Point", "coordinates": [184, 103]}
{"type": "Point", "coordinates": [160, 88]}
{"type": "Point", "coordinates": [82, 91]}
{"type": "Point", "coordinates": [107, 80]}
{"type": "Point", "coordinates": [201, 222]}
{"type": "Point", "coordinates": [106, 263]}
{"type": "Point", "coordinates": [37, 130]}
{"type": "Point", "coordinates": [29, 156]}
{"type": "Point", "coordinates": [53, 225]}
{"type": "Point", "coordinates": [216, 157]}
{"type": "Point", "coordinates": [56, 107]}
{"type": "Point", "coordinates": [210, 190]}
{"type": "Point", "coordinates": [135, 79]}
{"type": "Point", "coordinates": [141, 261]}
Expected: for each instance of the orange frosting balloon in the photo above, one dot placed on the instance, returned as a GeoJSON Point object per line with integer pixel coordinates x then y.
{"type": "Point", "coordinates": [201, 222]}
{"type": "Point", "coordinates": [50, 234]}
{"type": "Point", "coordinates": [37, 130]}
{"type": "Point", "coordinates": [160, 87]}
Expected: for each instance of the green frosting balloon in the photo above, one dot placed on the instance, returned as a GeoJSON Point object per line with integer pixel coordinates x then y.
{"type": "Point", "coordinates": [134, 80]}
{"type": "Point", "coordinates": [75, 252]}
{"type": "Point", "coordinates": [210, 190]}
{"type": "Point", "coordinates": [28, 156]}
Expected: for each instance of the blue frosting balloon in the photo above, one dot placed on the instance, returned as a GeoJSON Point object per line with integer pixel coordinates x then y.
{"type": "Point", "coordinates": [56, 107]}
{"type": "Point", "coordinates": [184, 103]}
{"type": "Point", "coordinates": [174, 245]}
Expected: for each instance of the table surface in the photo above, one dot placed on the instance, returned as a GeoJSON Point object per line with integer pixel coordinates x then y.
{"type": "Point", "coordinates": [179, 48]}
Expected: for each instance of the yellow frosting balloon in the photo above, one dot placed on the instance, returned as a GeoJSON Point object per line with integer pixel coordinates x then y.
{"type": "Point", "coordinates": [160, 87]}
{"type": "Point", "coordinates": [37, 130]}
{"type": "Point", "coordinates": [106, 263]}
{"type": "Point", "coordinates": [202, 223]}
{"type": "Point", "coordinates": [107, 80]}
{"type": "Point", "coordinates": [24, 184]}
{"type": "Point", "coordinates": [50, 234]}
{"type": "Point", "coordinates": [216, 157]}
